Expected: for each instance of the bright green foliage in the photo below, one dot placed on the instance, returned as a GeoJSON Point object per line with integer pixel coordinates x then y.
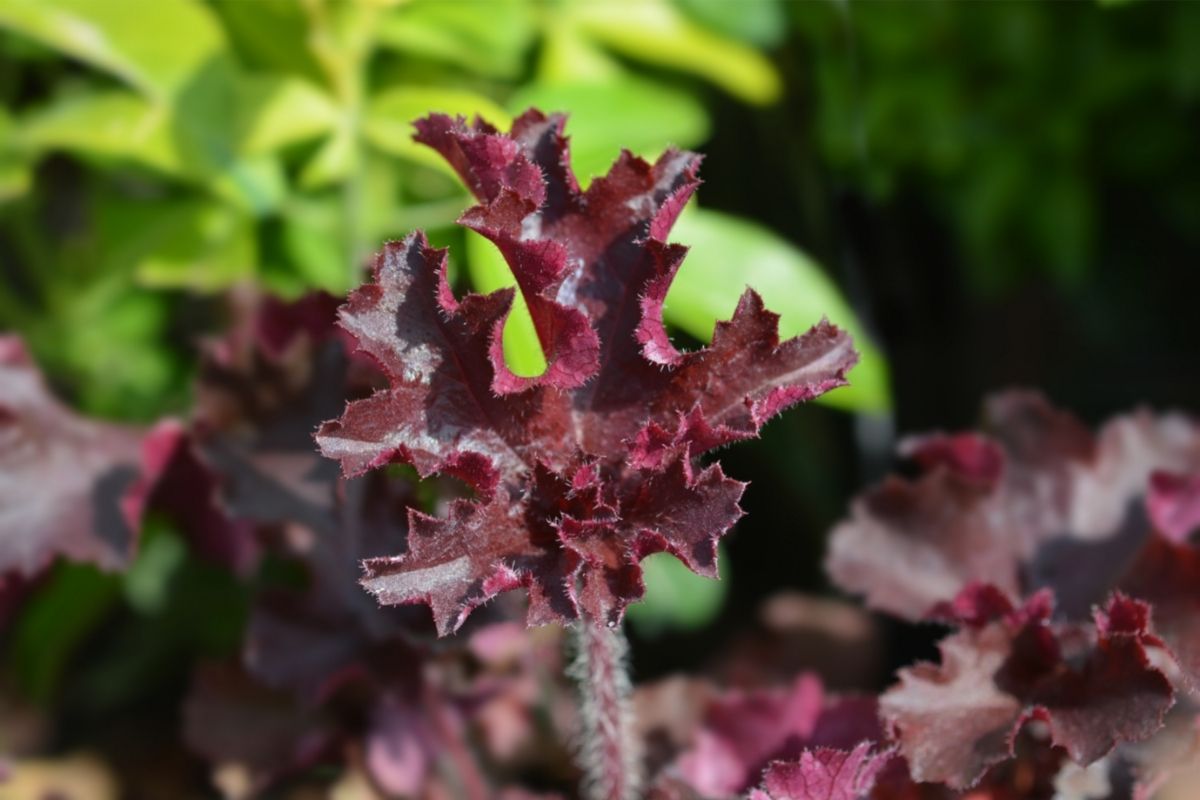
{"type": "Point", "coordinates": [170, 150]}
{"type": "Point", "coordinates": [51, 630]}
{"type": "Point", "coordinates": [676, 597]}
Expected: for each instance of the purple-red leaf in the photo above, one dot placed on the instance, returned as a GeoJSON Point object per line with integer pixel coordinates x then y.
{"type": "Point", "coordinates": [989, 505]}
{"type": "Point", "coordinates": [744, 731]}
{"type": "Point", "coordinates": [823, 774]}
{"type": "Point", "coordinates": [69, 487]}
{"type": "Point", "coordinates": [585, 470]}
{"type": "Point", "coordinates": [1167, 576]}
{"type": "Point", "coordinates": [1093, 688]}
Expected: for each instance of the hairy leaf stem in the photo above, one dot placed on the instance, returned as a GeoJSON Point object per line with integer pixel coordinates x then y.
{"type": "Point", "coordinates": [608, 749]}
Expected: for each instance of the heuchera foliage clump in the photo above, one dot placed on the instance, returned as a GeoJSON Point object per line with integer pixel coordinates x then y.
{"type": "Point", "coordinates": [1062, 558]}
{"type": "Point", "coordinates": [581, 472]}
{"type": "Point", "coordinates": [1060, 562]}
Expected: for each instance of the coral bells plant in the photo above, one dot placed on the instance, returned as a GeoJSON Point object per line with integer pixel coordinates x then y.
{"type": "Point", "coordinates": [1062, 560]}
{"type": "Point", "coordinates": [1060, 563]}
{"type": "Point", "coordinates": [583, 471]}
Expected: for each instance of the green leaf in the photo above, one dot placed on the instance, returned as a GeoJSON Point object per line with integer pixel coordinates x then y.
{"type": "Point", "coordinates": [650, 117]}
{"type": "Point", "coordinates": [16, 172]}
{"type": "Point", "coordinates": [490, 38]}
{"type": "Point", "coordinates": [55, 623]}
{"type": "Point", "coordinates": [390, 114]}
{"type": "Point", "coordinates": [335, 161]}
{"type": "Point", "coordinates": [728, 254]}
{"type": "Point", "coordinates": [178, 243]}
{"type": "Point", "coordinates": [759, 22]}
{"type": "Point", "coordinates": [676, 597]}
{"type": "Point", "coordinates": [280, 111]}
{"type": "Point", "coordinates": [155, 46]}
{"type": "Point", "coordinates": [656, 32]}
{"type": "Point", "coordinates": [117, 363]}
{"type": "Point", "coordinates": [255, 185]}
{"type": "Point", "coordinates": [489, 271]}
{"type": "Point", "coordinates": [107, 340]}
{"type": "Point", "coordinates": [114, 124]}
{"type": "Point", "coordinates": [161, 554]}
{"type": "Point", "coordinates": [569, 56]}
{"type": "Point", "coordinates": [313, 240]}
{"type": "Point", "coordinates": [272, 35]}
{"type": "Point", "coordinates": [198, 147]}
{"type": "Point", "coordinates": [16, 176]}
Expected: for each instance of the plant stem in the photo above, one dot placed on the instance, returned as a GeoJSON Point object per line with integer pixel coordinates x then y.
{"type": "Point", "coordinates": [608, 748]}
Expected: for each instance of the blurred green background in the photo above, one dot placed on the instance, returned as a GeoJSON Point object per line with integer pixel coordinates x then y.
{"type": "Point", "coordinates": [985, 194]}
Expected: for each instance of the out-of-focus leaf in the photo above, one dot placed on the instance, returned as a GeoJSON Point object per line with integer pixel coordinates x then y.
{"type": "Point", "coordinates": [488, 38]}
{"type": "Point", "coordinates": [651, 117]}
{"type": "Point", "coordinates": [16, 174]}
{"type": "Point", "coordinates": [729, 254]}
{"type": "Point", "coordinates": [55, 622]}
{"type": "Point", "coordinates": [676, 597]}
{"type": "Point", "coordinates": [112, 354]}
{"type": "Point", "coordinates": [654, 31]}
{"type": "Point", "coordinates": [489, 271]}
{"type": "Point", "coordinates": [178, 243]}
{"type": "Point", "coordinates": [283, 111]}
{"type": "Point", "coordinates": [390, 115]}
{"type": "Point", "coordinates": [568, 56]}
{"type": "Point", "coordinates": [312, 238]}
{"type": "Point", "coordinates": [156, 47]}
{"type": "Point", "coordinates": [254, 185]}
{"type": "Point", "coordinates": [114, 124]}
{"type": "Point", "coordinates": [381, 218]}
{"type": "Point", "coordinates": [272, 35]}
{"type": "Point", "coordinates": [119, 124]}
{"type": "Point", "coordinates": [759, 22]}
{"type": "Point", "coordinates": [147, 582]}
{"type": "Point", "coordinates": [336, 159]}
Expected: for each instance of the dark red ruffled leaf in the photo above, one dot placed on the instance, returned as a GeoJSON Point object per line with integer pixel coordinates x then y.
{"type": "Point", "coordinates": [188, 490]}
{"type": "Point", "coordinates": [1167, 576]}
{"type": "Point", "coordinates": [823, 774]}
{"type": "Point", "coordinates": [440, 413]}
{"type": "Point", "coordinates": [585, 470]}
{"type": "Point", "coordinates": [69, 487]}
{"type": "Point", "coordinates": [983, 548]}
{"type": "Point", "coordinates": [980, 604]}
{"type": "Point", "coordinates": [910, 545]}
{"type": "Point", "coordinates": [456, 563]}
{"type": "Point", "coordinates": [743, 731]}
{"type": "Point", "coordinates": [247, 460]}
{"type": "Point", "coordinates": [1093, 688]}
{"type": "Point", "coordinates": [313, 637]}
{"type": "Point", "coordinates": [742, 380]}
{"type": "Point", "coordinates": [1002, 507]}
{"type": "Point", "coordinates": [280, 371]}
{"type": "Point", "coordinates": [968, 455]}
